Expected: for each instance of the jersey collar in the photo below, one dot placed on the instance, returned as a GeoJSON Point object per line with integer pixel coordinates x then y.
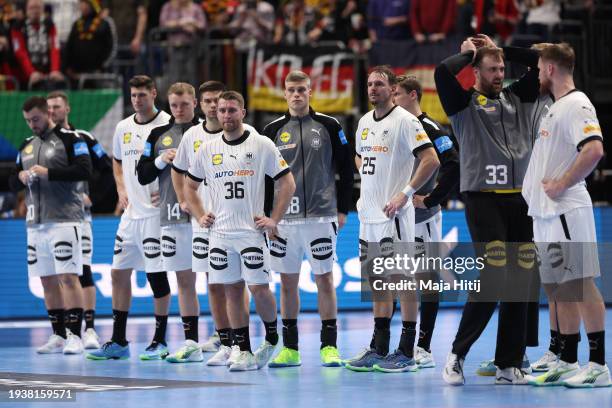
{"type": "Point", "coordinates": [236, 142]}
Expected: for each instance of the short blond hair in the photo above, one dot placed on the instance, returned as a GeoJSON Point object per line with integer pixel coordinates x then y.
{"type": "Point", "coordinates": [298, 76]}
{"type": "Point", "coordinates": [181, 88]}
{"type": "Point", "coordinates": [233, 96]}
{"type": "Point", "coordinates": [562, 55]}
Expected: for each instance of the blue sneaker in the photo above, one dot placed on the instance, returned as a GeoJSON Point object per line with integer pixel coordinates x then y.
{"type": "Point", "coordinates": [488, 368]}
{"type": "Point", "coordinates": [155, 351]}
{"type": "Point", "coordinates": [110, 351]}
{"type": "Point", "coordinates": [397, 362]}
{"type": "Point", "coordinates": [365, 362]}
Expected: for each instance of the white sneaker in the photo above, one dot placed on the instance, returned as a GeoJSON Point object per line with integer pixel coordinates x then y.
{"type": "Point", "coordinates": [245, 362]}
{"type": "Point", "coordinates": [189, 353]}
{"type": "Point", "coordinates": [221, 357]}
{"type": "Point", "coordinates": [264, 353]}
{"type": "Point", "coordinates": [510, 376]}
{"type": "Point", "coordinates": [91, 341]}
{"type": "Point", "coordinates": [545, 362]}
{"type": "Point", "coordinates": [592, 375]}
{"type": "Point", "coordinates": [74, 344]}
{"type": "Point", "coordinates": [424, 358]}
{"type": "Point", "coordinates": [558, 373]}
{"type": "Point", "coordinates": [453, 370]}
{"type": "Point", "coordinates": [212, 344]}
{"type": "Point", "coordinates": [234, 353]}
{"type": "Point", "coordinates": [55, 344]}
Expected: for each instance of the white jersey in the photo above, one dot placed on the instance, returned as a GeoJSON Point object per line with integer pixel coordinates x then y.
{"type": "Point", "coordinates": [234, 173]}
{"type": "Point", "coordinates": [569, 124]}
{"type": "Point", "coordinates": [187, 152]}
{"type": "Point", "coordinates": [387, 147]}
{"type": "Point", "coordinates": [128, 144]}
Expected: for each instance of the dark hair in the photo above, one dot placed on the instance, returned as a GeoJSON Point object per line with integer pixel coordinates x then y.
{"type": "Point", "coordinates": [410, 83]}
{"type": "Point", "coordinates": [562, 55]}
{"type": "Point", "coordinates": [386, 71]}
{"type": "Point", "coordinates": [142, 81]}
{"type": "Point", "coordinates": [494, 52]}
{"type": "Point", "coordinates": [58, 94]}
{"type": "Point", "coordinates": [233, 96]}
{"type": "Point", "coordinates": [211, 86]}
{"type": "Point", "coordinates": [35, 102]}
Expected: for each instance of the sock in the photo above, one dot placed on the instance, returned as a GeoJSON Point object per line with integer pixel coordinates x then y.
{"type": "Point", "coordinates": [190, 327]}
{"type": "Point", "coordinates": [329, 333]}
{"type": "Point", "coordinates": [160, 329]}
{"type": "Point", "coordinates": [56, 317]}
{"type": "Point", "coordinates": [76, 321]}
{"type": "Point", "coordinates": [241, 337]}
{"type": "Point", "coordinates": [272, 332]}
{"type": "Point", "coordinates": [597, 347]}
{"type": "Point", "coordinates": [555, 346]}
{"type": "Point", "coordinates": [406, 344]}
{"type": "Point", "coordinates": [89, 316]}
{"type": "Point", "coordinates": [429, 312]}
{"type": "Point", "coordinates": [119, 326]}
{"type": "Point", "coordinates": [290, 334]}
{"type": "Point", "coordinates": [569, 347]}
{"type": "Point", "coordinates": [225, 335]}
{"type": "Point", "coordinates": [381, 336]}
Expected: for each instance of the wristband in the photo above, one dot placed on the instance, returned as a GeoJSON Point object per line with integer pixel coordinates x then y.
{"type": "Point", "coordinates": [408, 190]}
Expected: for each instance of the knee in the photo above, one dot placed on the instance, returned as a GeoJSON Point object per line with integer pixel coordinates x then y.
{"type": "Point", "coordinates": [289, 284]}
{"type": "Point", "coordinates": [216, 290]}
{"type": "Point", "coordinates": [121, 278]}
{"type": "Point", "coordinates": [69, 281]}
{"type": "Point", "coordinates": [159, 284]}
{"type": "Point", "coordinates": [325, 283]}
{"type": "Point", "coordinates": [185, 280]}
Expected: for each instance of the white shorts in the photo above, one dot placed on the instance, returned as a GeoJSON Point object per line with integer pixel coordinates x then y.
{"type": "Point", "coordinates": [385, 234]}
{"type": "Point", "coordinates": [427, 234]}
{"type": "Point", "coordinates": [232, 260]}
{"type": "Point", "coordinates": [86, 242]}
{"type": "Point", "coordinates": [176, 247]}
{"type": "Point", "coordinates": [137, 245]}
{"type": "Point", "coordinates": [55, 249]}
{"type": "Point", "coordinates": [199, 246]}
{"type": "Point", "coordinates": [567, 246]}
{"type": "Point", "coordinates": [316, 240]}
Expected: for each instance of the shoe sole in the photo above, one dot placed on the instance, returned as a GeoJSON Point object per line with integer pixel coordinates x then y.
{"type": "Point", "coordinates": [555, 384]}
{"type": "Point", "coordinates": [539, 370]}
{"type": "Point", "coordinates": [181, 361]}
{"type": "Point", "coordinates": [394, 370]}
{"type": "Point", "coordinates": [284, 365]}
{"type": "Point", "coordinates": [454, 384]}
{"type": "Point", "coordinates": [95, 358]}
{"type": "Point", "coordinates": [334, 364]}
{"type": "Point", "coordinates": [586, 385]}
{"type": "Point", "coordinates": [430, 364]}
{"type": "Point", "coordinates": [147, 358]}
{"type": "Point", "coordinates": [359, 369]}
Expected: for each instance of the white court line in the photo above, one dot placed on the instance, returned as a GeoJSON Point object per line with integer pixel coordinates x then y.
{"type": "Point", "coordinates": [106, 321]}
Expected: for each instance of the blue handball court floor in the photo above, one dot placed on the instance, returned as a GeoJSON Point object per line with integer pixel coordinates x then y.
{"type": "Point", "coordinates": [132, 383]}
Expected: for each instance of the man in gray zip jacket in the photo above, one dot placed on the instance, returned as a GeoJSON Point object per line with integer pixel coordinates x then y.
{"type": "Point", "coordinates": [315, 147]}
{"type": "Point", "coordinates": [492, 125]}
{"type": "Point", "coordinates": [52, 164]}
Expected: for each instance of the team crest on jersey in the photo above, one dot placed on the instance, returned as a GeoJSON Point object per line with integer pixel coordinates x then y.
{"type": "Point", "coordinates": [482, 100]}
{"type": "Point", "coordinates": [217, 159]}
{"type": "Point", "coordinates": [127, 138]}
{"type": "Point", "coordinates": [167, 141]}
{"type": "Point", "coordinates": [285, 137]}
{"type": "Point", "coordinates": [316, 142]}
{"type": "Point", "coordinates": [28, 149]}
{"type": "Point", "coordinates": [196, 145]}
{"type": "Point", "coordinates": [364, 133]}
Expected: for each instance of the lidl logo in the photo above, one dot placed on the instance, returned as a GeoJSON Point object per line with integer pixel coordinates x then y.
{"type": "Point", "coordinates": [167, 141]}
{"type": "Point", "coordinates": [591, 128]}
{"type": "Point", "coordinates": [482, 100]}
{"type": "Point", "coordinates": [421, 136]}
{"type": "Point", "coordinates": [127, 138]}
{"type": "Point", "coordinates": [283, 163]}
{"type": "Point", "coordinates": [364, 133]}
{"type": "Point", "coordinates": [196, 145]}
{"type": "Point", "coordinates": [285, 137]}
{"type": "Point", "coordinates": [28, 149]}
{"type": "Point", "coordinates": [217, 159]}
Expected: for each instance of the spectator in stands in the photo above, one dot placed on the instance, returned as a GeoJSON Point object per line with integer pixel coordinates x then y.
{"type": "Point", "coordinates": [219, 12]}
{"type": "Point", "coordinates": [297, 24]}
{"type": "Point", "coordinates": [63, 13]}
{"type": "Point", "coordinates": [185, 20]}
{"type": "Point", "coordinates": [130, 17]}
{"type": "Point", "coordinates": [543, 16]}
{"type": "Point", "coordinates": [92, 42]}
{"type": "Point", "coordinates": [389, 19]}
{"type": "Point", "coordinates": [36, 47]}
{"type": "Point", "coordinates": [338, 20]}
{"type": "Point", "coordinates": [432, 20]}
{"type": "Point", "coordinates": [253, 20]}
{"type": "Point", "coordinates": [505, 17]}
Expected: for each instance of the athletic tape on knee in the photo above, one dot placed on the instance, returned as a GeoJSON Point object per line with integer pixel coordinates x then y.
{"type": "Point", "coordinates": [159, 284]}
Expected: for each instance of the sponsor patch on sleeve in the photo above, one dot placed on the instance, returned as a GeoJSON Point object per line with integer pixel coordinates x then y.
{"type": "Point", "coordinates": [591, 128]}
{"type": "Point", "coordinates": [80, 148]}
{"type": "Point", "coordinates": [342, 137]}
{"type": "Point", "coordinates": [98, 150]}
{"type": "Point", "coordinates": [147, 149]}
{"type": "Point", "coordinates": [443, 144]}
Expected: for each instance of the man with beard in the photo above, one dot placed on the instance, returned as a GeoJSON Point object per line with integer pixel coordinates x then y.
{"type": "Point", "coordinates": [491, 123]}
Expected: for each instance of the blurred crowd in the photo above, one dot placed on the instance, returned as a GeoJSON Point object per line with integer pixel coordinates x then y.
{"type": "Point", "coordinates": [54, 42]}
